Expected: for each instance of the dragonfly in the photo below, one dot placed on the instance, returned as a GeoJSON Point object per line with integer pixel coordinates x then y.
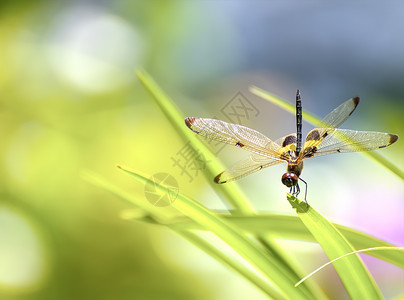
{"type": "Point", "coordinates": [290, 149]}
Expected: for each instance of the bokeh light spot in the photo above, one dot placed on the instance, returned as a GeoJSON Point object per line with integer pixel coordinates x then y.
{"type": "Point", "coordinates": [22, 257]}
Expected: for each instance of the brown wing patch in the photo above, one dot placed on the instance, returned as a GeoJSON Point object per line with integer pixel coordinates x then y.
{"type": "Point", "coordinates": [356, 102]}
{"type": "Point", "coordinates": [218, 180]}
{"type": "Point", "coordinates": [313, 135]}
{"type": "Point", "coordinates": [393, 138]}
{"type": "Point", "coordinates": [289, 139]}
{"type": "Point", "coordinates": [189, 122]}
{"type": "Point", "coordinates": [309, 152]}
{"type": "Point", "coordinates": [313, 140]}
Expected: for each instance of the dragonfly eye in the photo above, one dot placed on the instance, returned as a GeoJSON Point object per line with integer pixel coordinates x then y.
{"type": "Point", "coordinates": [289, 179]}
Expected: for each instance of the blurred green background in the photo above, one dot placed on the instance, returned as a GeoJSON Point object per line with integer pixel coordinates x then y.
{"type": "Point", "coordinates": [70, 101]}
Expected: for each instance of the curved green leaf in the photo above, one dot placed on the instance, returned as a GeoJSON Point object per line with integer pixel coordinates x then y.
{"type": "Point", "coordinates": [234, 195]}
{"type": "Point", "coordinates": [352, 272]}
{"type": "Point", "coordinates": [157, 216]}
{"type": "Point", "coordinates": [388, 249]}
{"type": "Point", "coordinates": [291, 227]}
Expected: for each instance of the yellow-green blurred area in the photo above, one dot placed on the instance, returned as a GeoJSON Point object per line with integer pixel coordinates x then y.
{"type": "Point", "coordinates": [70, 101]}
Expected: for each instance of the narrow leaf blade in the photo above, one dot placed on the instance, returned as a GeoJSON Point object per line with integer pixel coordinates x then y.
{"type": "Point", "coordinates": [266, 265]}
{"type": "Point", "coordinates": [234, 195]}
{"type": "Point", "coordinates": [291, 227]}
{"type": "Point", "coordinates": [353, 274]}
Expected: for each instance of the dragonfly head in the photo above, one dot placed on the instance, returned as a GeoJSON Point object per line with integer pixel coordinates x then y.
{"type": "Point", "coordinates": [290, 179]}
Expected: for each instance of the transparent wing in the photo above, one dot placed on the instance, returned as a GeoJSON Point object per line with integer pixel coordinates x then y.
{"type": "Point", "coordinates": [344, 140]}
{"type": "Point", "coordinates": [251, 164]}
{"type": "Point", "coordinates": [235, 135]}
{"type": "Point", "coordinates": [335, 118]}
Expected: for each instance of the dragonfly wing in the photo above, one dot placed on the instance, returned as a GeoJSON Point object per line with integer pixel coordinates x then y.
{"type": "Point", "coordinates": [235, 135]}
{"type": "Point", "coordinates": [335, 118]}
{"type": "Point", "coordinates": [287, 140]}
{"type": "Point", "coordinates": [344, 140]}
{"type": "Point", "coordinates": [251, 164]}
{"type": "Point", "coordinates": [288, 146]}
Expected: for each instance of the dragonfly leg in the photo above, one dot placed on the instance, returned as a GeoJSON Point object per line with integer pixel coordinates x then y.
{"type": "Point", "coordinates": [297, 190]}
{"type": "Point", "coordinates": [294, 190]}
{"type": "Point", "coordinates": [305, 193]}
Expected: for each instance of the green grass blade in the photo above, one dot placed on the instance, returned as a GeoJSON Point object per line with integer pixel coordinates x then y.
{"type": "Point", "coordinates": [250, 251]}
{"type": "Point", "coordinates": [317, 123]}
{"type": "Point", "coordinates": [231, 192]}
{"type": "Point", "coordinates": [280, 254]}
{"type": "Point", "coordinates": [157, 216]}
{"type": "Point", "coordinates": [310, 118]}
{"type": "Point", "coordinates": [353, 274]}
{"type": "Point", "coordinates": [292, 227]}
{"type": "Point", "coordinates": [400, 249]}
{"type": "Point", "coordinates": [230, 262]}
